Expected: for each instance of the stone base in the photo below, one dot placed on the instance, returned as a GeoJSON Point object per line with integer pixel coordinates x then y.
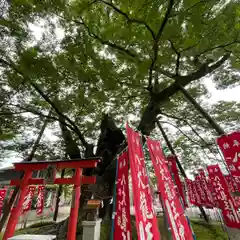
{"type": "Point", "coordinates": [91, 230]}
{"type": "Point", "coordinates": [33, 237]}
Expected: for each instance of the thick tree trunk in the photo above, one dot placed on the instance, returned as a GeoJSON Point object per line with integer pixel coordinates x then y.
{"type": "Point", "coordinates": [206, 218]}
{"type": "Point", "coordinates": [8, 205]}
{"type": "Point", "coordinates": [210, 120]}
{"type": "Point", "coordinates": [109, 143]}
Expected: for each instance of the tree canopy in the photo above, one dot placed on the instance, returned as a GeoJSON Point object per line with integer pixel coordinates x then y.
{"type": "Point", "coordinates": [78, 70]}
{"type": "Point", "coordinates": [126, 58]}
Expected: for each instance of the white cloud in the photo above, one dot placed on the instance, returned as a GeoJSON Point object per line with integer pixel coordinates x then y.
{"type": "Point", "coordinates": [229, 94]}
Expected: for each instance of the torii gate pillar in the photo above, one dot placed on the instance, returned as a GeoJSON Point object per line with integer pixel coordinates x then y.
{"type": "Point", "coordinates": [76, 180]}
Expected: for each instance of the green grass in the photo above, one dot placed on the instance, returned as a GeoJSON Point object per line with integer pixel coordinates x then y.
{"type": "Point", "coordinates": [208, 232]}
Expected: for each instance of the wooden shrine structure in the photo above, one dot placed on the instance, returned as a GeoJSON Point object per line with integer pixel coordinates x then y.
{"type": "Point", "coordinates": [77, 180]}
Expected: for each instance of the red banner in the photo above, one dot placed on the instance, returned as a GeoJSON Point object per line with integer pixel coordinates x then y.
{"type": "Point", "coordinates": [230, 147]}
{"type": "Point", "coordinates": [225, 200]}
{"type": "Point", "coordinates": [146, 221]}
{"type": "Point", "coordinates": [2, 196]}
{"type": "Point", "coordinates": [205, 187]}
{"type": "Point", "coordinates": [191, 196]}
{"type": "Point", "coordinates": [230, 183]}
{"type": "Point", "coordinates": [40, 200]}
{"type": "Point", "coordinates": [173, 168]}
{"type": "Point", "coordinates": [28, 199]}
{"type": "Point", "coordinates": [213, 192]}
{"type": "Point", "coordinates": [200, 191]}
{"type": "Point", "coordinates": [232, 188]}
{"type": "Point", "coordinates": [176, 218]}
{"type": "Point", "coordinates": [196, 194]}
{"type": "Point", "coordinates": [122, 219]}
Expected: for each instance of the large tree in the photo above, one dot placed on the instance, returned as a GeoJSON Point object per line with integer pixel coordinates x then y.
{"type": "Point", "coordinates": [85, 58]}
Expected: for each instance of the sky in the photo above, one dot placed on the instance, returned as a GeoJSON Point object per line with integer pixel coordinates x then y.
{"type": "Point", "coordinates": [231, 94]}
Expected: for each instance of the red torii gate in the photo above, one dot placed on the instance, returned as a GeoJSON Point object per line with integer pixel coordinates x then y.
{"type": "Point", "coordinates": [76, 180]}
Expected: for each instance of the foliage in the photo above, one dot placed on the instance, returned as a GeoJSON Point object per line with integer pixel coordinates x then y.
{"type": "Point", "coordinates": [83, 58]}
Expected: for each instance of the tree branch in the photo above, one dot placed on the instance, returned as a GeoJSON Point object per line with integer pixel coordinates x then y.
{"type": "Point", "coordinates": [201, 72]}
{"type": "Point", "coordinates": [186, 122]}
{"type": "Point", "coordinates": [11, 113]}
{"type": "Point", "coordinates": [47, 99]}
{"type": "Point", "coordinates": [108, 43]}
{"type": "Point", "coordinates": [70, 144]}
{"type": "Point", "coordinates": [38, 113]}
{"type": "Point", "coordinates": [182, 132]}
{"type": "Point", "coordinates": [165, 19]}
{"type": "Point", "coordinates": [165, 73]}
{"type": "Point", "coordinates": [171, 75]}
{"type": "Point", "coordinates": [185, 80]}
{"type": "Point", "coordinates": [178, 56]}
{"type": "Point", "coordinates": [217, 47]}
{"type": "Point", "coordinates": [147, 123]}
{"type": "Point", "coordinates": [131, 20]}
{"type": "Point", "coordinates": [38, 139]}
{"type": "Point", "coordinates": [190, 8]}
{"type": "Point", "coordinates": [155, 46]}
{"type": "Point", "coordinates": [190, 47]}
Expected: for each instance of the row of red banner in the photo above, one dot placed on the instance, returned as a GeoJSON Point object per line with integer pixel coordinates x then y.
{"type": "Point", "coordinates": [172, 164]}
{"type": "Point", "coordinates": [28, 199]}
{"type": "Point", "coordinates": [146, 220]}
{"type": "Point", "coordinates": [230, 147]}
{"type": "Point", "coordinates": [214, 191]}
{"type": "Point", "coordinates": [217, 190]}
